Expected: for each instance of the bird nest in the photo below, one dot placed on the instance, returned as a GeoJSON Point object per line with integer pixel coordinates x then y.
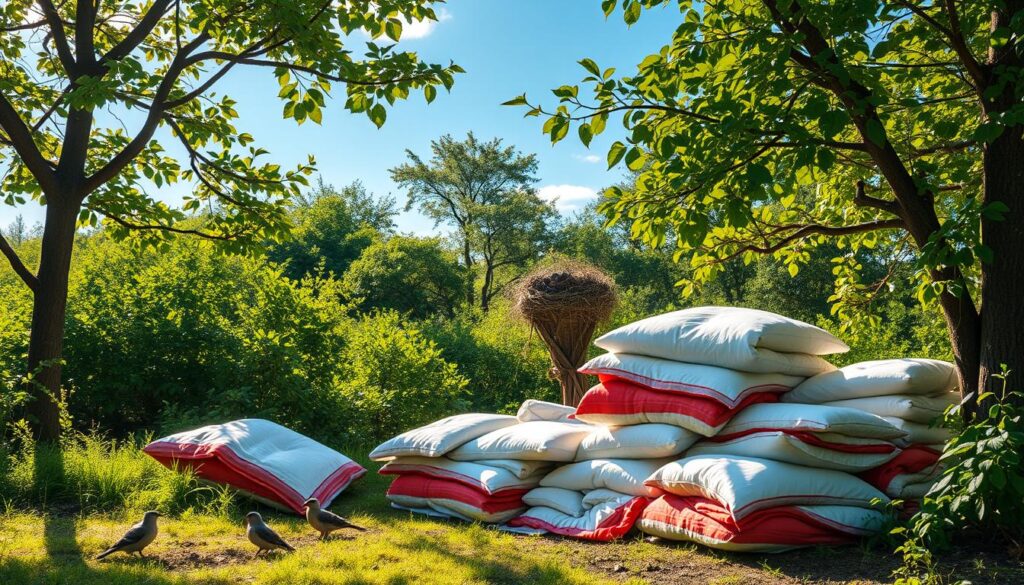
{"type": "Point", "coordinates": [565, 291]}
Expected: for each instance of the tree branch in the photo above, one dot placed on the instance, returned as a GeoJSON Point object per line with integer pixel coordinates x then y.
{"type": "Point", "coordinates": [19, 267]}
{"type": "Point", "coordinates": [60, 38]}
{"type": "Point", "coordinates": [865, 200]}
{"type": "Point", "coordinates": [806, 230]}
{"type": "Point", "coordinates": [21, 139]}
{"type": "Point", "coordinates": [165, 228]}
{"type": "Point", "coordinates": [138, 34]}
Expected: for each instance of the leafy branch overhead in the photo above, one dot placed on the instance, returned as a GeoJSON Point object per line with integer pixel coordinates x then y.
{"type": "Point", "coordinates": [769, 128]}
{"type": "Point", "coordinates": [92, 94]}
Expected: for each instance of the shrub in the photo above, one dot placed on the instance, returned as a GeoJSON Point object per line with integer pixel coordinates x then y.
{"type": "Point", "coordinates": [982, 487]}
{"type": "Point", "coordinates": [392, 378]}
{"type": "Point", "coordinates": [503, 360]}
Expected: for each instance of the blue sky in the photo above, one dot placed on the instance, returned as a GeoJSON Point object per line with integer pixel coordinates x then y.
{"type": "Point", "coordinates": [507, 48]}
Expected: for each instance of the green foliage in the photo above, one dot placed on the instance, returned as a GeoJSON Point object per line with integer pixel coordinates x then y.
{"type": "Point", "coordinates": [503, 360]}
{"type": "Point", "coordinates": [750, 129]}
{"type": "Point", "coordinates": [332, 228]}
{"type": "Point", "coordinates": [93, 474]}
{"type": "Point", "coordinates": [415, 276]}
{"type": "Point", "coordinates": [395, 378]}
{"type": "Point", "coordinates": [982, 487]}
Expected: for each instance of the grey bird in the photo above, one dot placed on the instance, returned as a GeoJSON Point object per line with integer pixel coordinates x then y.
{"type": "Point", "coordinates": [325, 521]}
{"type": "Point", "coordinates": [262, 535]}
{"type": "Point", "coordinates": [137, 538]}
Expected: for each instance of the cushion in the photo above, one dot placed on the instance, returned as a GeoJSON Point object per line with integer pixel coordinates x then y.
{"type": "Point", "coordinates": [490, 480]}
{"type": "Point", "coordinates": [741, 339]}
{"type": "Point", "coordinates": [919, 433]}
{"type": "Point", "coordinates": [644, 441]}
{"type": "Point", "coordinates": [877, 378]}
{"type": "Point", "coordinates": [531, 410]}
{"type": "Point", "coordinates": [743, 485]}
{"type": "Point", "coordinates": [271, 463]}
{"type": "Point", "coordinates": [915, 464]}
{"type": "Point", "coordinates": [824, 450]}
{"type": "Point", "coordinates": [618, 402]}
{"type": "Point", "coordinates": [774, 529]}
{"type": "Point", "coordinates": [610, 516]}
{"type": "Point", "coordinates": [813, 418]}
{"type": "Point", "coordinates": [625, 476]}
{"type": "Point", "coordinates": [565, 501]}
{"type": "Point", "coordinates": [520, 469]}
{"type": "Point", "coordinates": [438, 438]}
{"type": "Point", "coordinates": [419, 492]}
{"type": "Point", "coordinates": [921, 409]}
{"type": "Point", "coordinates": [729, 387]}
{"type": "Point", "coordinates": [530, 441]}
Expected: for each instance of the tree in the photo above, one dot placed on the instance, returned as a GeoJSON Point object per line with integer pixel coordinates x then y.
{"type": "Point", "coordinates": [905, 118]}
{"type": "Point", "coordinates": [333, 227]}
{"type": "Point", "coordinates": [411, 275]}
{"type": "Point", "coordinates": [461, 178]}
{"type": "Point", "coordinates": [17, 232]}
{"type": "Point", "coordinates": [64, 64]}
{"type": "Point", "coordinates": [509, 233]}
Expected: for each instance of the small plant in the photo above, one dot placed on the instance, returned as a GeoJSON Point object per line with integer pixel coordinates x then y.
{"type": "Point", "coordinates": [982, 487]}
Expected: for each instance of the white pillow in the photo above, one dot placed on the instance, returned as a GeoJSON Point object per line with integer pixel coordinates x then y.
{"type": "Point", "coordinates": [438, 438]}
{"type": "Point", "coordinates": [723, 385]}
{"type": "Point", "coordinates": [645, 441]}
{"type": "Point", "coordinates": [518, 467]}
{"type": "Point", "coordinates": [922, 409]}
{"type": "Point", "coordinates": [263, 459]}
{"type": "Point", "coordinates": [490, 480]}
{"type": "Point", "coordinates": [877, 378]}
{"type": "Point", "coordinates": [842, 455]}
{"type": "Point", "coordinates": [531, 410]}
{"type": "Point", "coordinates": [565, 501]}
{"type": "Point", "coordinates": [625, 476]}
{"type": "Point", "coordinates": [609, 516]}
{"type": "Point", "coordinates": [531, 441]}
{"type": "Point", "coordinates": [746, 484]}
{"type": "Point", "coordinates": [920, 434]}
{"type": "Point", "coordinates": [775, 529]}
{"type": "Point", "coordinates": [813, 418]}
{"type": "Point", "coordinates": [741, 339]}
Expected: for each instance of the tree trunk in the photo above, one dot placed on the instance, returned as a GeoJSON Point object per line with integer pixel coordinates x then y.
{"type": "Point", "coordinates": [47, 336]}
{"type": "Point", "coordinates": [467, 259]}
{"type": "Point", "coordinates": [485, 290]}
{"type": "Point", "coordinates": [1002, 312]}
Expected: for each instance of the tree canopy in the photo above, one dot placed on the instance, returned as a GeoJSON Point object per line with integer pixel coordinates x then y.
{"type": "Point", "coordinates": [768, 127]}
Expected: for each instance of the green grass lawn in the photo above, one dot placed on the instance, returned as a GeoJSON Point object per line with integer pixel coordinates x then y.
{"type": "Point", "coordinates": [209, 546]}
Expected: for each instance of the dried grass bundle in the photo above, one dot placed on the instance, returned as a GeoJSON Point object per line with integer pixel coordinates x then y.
{"type": "Point", "coordinates": [564, 302]}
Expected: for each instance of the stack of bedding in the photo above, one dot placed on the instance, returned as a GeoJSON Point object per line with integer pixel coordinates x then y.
{"type": "Point", "coordinates": [714, 425]}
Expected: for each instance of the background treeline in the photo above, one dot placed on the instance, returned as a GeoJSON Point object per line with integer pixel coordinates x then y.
{"type": "Point", "coordinates": [351, 331]}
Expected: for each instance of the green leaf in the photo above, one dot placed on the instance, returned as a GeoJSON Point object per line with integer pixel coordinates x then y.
{"type": "Point", "coordinates": [987, 132]}
{"type": "Point", "coordinates": [586, 134]}
{"type": "Point", "coordinates": [591, 67]}
{"type": "Point", "coordinates": [378, 115]}
{"type": "Point", "coordinates": [519, 100]}
{"type": "Point", "coordinates": [393, 29]}
{"type": "Point", "coordinates": [429, 92]}
{"type": "Point", "coordinates": [634, 159]}
{"type": "Point", "coordinates": [875, 132]}
{"type": "Point", "coordinates": [608, 6]}
{"type": "Point", "coordinates": [615, 153]}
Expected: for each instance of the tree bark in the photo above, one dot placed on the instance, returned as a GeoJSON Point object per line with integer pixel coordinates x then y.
{"type": "Point", "coordinates": [1002, 312]}
{"type": "Point", "coordinates": [485, 289]}
{"type": "Point", "coordinates": [46, 342]}
{"type": "Point", "coordinates": [467, 259]}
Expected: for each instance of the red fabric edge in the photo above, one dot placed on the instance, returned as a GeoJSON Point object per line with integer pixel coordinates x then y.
{"type": "Point", "coordinates": [615, 526]}
{"type": "Point", "coordinates": [438, 473]}
{"type": "Point", "coordinates": [422, 486]}
{"type": "Point", "coordinates": [883, 447]}
{"type": "Point", "coordinates": [711, 412]}
{"type": "Point", "coordinates": [606, 374]}
{"type": "Point", "coordinates": [913, 459]}
{"type": "Point", "coordinates": [169, 453]}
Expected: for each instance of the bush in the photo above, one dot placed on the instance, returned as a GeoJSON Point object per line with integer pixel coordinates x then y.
{"type": "Point", "coordinates": [395, 378]}
{"type": "Point", "coordinates": [503, 360]}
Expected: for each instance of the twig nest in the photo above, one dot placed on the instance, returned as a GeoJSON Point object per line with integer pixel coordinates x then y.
{"type": "Point", "coordinates": [566, 291]}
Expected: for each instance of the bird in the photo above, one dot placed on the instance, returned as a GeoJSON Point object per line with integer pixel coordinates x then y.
{"type": "Point", "coordinates": [325, 521]}
{"type": "Point", "coordinates": [137, 538]}
{"type": "Point", "coordinates": [262, 535]}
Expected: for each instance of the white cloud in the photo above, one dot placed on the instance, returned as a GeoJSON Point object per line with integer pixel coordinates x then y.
{"type": "Point", "coordinates": [419, 29]}
{"type": "Point", "coordinates": [567, 198]}
{"type": "Point", "coordinates": [587, 158]}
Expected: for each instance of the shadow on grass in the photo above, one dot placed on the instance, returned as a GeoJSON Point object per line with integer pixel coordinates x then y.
{"type": "Point", "coordinates": [65, 561]}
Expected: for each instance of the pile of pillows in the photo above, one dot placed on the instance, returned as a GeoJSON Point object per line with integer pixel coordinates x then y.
{"type": "Point", "coordinates": [721, 426]}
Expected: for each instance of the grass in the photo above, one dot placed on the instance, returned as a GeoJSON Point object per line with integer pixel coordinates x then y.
{"type": "Point", "coordinates": [90, 491]}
